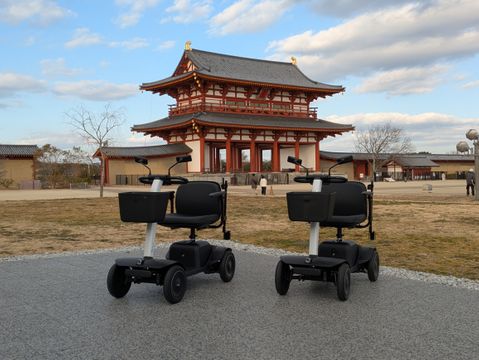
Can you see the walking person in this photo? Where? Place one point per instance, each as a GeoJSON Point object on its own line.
{"type": "Point", "coordinates": [470, 181]}
{"type": "Point", "coordinates": [254, 183]}
{"type": "Point", "coordinates": [263, 183]}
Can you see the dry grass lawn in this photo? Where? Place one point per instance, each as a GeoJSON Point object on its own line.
{"type": "Point", "coordinates": [439, 234]}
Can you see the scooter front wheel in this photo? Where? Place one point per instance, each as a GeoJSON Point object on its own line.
{"type": "Point", "coordinates": [282, 278]}
{"type": "Point", "coordinates": [174, 285]}
{"type": "Point", "coordinates": [117, 282]}
{"type": "Point", "coordinates": [373, 267]}
{"type": "Point", "coordinates": [343, 282]}
{"type": "Point", "coordinates": [227, 266]}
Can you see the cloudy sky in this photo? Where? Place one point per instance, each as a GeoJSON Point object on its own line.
{"type": "Point", "coordinates": [414, 64]}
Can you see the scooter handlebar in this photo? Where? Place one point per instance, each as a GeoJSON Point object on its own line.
{"type": "Point", "coordinates": [325, 178]}
{"type": "Point", "coordinates": [167, 180]}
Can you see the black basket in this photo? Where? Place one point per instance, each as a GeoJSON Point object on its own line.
{"type": "Point", "coordinates": [143, 207]}
{"type": "Point", "coordinates": [310, 206]}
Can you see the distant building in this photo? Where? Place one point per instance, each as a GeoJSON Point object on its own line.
{"type": "Point", "coordinates": [229, 109]}
{"type": "Point", "coordinates": [17, 162]}
{"type": "Point", "coordinates": [121, 168]}
{"type": "Point", "coordinates": [401, 167]}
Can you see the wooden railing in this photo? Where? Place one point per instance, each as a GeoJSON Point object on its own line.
{"type": "Point", "coordinates": [245, 109]}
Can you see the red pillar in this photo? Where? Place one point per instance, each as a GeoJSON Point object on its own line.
{"type": "Point", "coordinates": [296, 150]}
{"type": "Point", "coordinates": [317, 166]}
{"type": "Point", "coordinates": [202, 153]}
{"type": "Point", "coordinates": [252, 155]}
{"type": "Point", "coordinates": [275, 155]}
{"type": "Point", "coordinates": [228, 153]}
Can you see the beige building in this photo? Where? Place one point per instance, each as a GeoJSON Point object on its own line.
{"type": "Point", "coordinates": [399, 167]}
{"type": "Point", "coordinates": [17, 163]}
{"type": "Point", "coordinates": [121, 168]}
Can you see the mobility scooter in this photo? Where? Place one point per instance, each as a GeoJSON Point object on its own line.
{"type": "Point", "coordinates": [333, 202]}
{"type": "Point", "coordinates": [199, 205]}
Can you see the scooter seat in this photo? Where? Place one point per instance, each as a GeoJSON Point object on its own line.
{"type": "Point", "coordinates": [344, 220]}
{"type": "Point", "coordinates": [188, 221]}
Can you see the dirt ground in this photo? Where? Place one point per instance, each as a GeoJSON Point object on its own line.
{"type": "Point", "coordinates": [415, 229]}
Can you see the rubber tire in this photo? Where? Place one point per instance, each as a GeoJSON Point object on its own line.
{"type": "Point", "coordinates": [282, 278]}
{"type": "Point", "coordinates": [343, 282]}
{"type": "Point", "coordinates": [118, 284]}
{"type": "Point", "coordinates": [373, 267]}
{"type": "Point", "coordinates": [227, 266]}
{"type": "Point", "coordinates": [174, 284]}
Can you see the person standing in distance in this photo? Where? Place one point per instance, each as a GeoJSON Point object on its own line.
{"type": "Point", "coordinates": [470, 181]}
{"type": "Point", "coordinates": [263, 183]}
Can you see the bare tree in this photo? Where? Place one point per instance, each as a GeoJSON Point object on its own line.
{"type": "Point", "coordinates": [97, 129]}
{"type": "Point", "coordinates": [382, 142]}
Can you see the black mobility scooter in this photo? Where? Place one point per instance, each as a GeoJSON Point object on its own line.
{"type": "Point", "coordinates": [199, 205]}
{"type": "Point", "coordinates": [333, 202]}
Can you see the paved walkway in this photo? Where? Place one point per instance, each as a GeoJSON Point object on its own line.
{"type": "Point", "coordinates": [59, 308]}
{"type": "Point", "coordinates": [449, 187]}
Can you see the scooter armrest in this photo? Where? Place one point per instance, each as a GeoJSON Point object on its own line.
{"type": "Point", "coordinates": [217, 194]}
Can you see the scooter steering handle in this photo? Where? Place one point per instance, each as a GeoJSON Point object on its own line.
{"type": "Point", "coordinates": [325, 178]}
{"type": "Point", "coordinates": [167, 180]}
{"type": "Point", "coordinates": [175, 180]}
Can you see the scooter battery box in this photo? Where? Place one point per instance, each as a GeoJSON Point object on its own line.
{"type": "Point", "coordinates": [190, 254]}
{"type": "Point", "coordinates": [339, 249]}
{"type": "Point", "coordinates": [310, 206]}
{"type": "Point", "coordinates": [143, 207]}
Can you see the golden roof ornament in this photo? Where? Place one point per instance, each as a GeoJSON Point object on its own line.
{"type": "Point", "coordinates": [188, 45]}
{"type": "Point", "coordinates": [293, 60]}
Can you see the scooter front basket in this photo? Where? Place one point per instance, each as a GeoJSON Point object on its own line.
{"type": "Point", "coordinates": [310, 206]}
{"type": "Point", "coordinates": [142, 206]}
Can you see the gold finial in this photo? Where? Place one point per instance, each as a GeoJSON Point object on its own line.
{"type": "Point", "coordinates": [293, 60]}
{"type": "Point", "coordinates": [188, 45]}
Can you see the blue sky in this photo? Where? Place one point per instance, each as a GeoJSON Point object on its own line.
{"type": "Point", "coordinates": [412, 63]}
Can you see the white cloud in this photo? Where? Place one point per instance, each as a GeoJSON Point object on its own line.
{"type": "Point", "coordinates": [434, 132]}
{"type": "Point", "coordinates": [345, 8]}
{"type": "Point", "coordinates": [168, 44]}
{"type": "Point", "coordinates": [142, 140]}
{"type": "Point", "coordinates": [12, 83]}
{"type": "Point", "coordinates": [95, 90]}
{"type": "Point", "coordinates": [248, 16]}
{"type": "Point", "coordinates": [57, 67]}
{"type": "Point", "coordinates": [408, 36]}
{"type": "Point", "coordinates": [84, 37]}
{"type": "Point", "coordinates": [188, 11]}
{"type": "Point", "coordinates": [404, 81]}
{"type": "Point", "coordinates": [471, 84]}
{"type": "Point", "coordinates": [135, 11]}
{"type": "Point", "coordinates": [39, 12]}
{"type": "Point", "coordinates": [135, 43]}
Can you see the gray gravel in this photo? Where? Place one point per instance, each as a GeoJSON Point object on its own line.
{"type": "Point", "coordinates": [385, 270]}
{"type": "Point", "coordinates": [57, 307]}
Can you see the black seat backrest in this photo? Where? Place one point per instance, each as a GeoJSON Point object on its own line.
{"type": "Point", "coordinates": [350, 199]}
{"type": "Point", "coordinates": [193, 198]}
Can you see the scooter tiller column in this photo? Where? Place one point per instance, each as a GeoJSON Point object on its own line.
{"type": "Point", "coordinates": [151, 227]}
{"type": "Point", "coordinates": [314, 227]}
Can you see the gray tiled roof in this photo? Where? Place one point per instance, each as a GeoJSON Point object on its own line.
{"type": "Point", "coordinates": [415, 161]}
{"type": "Point", "coordinates": [248, 69]}
{"type": "Point", "coordinates": [147, 151]}
{"type": "Point", "coordinates": [18, 150]}
{"type": "Point", "coordinates": [245, 120]}
{"type": "Point", "coordinates": [405, 160]}
{"type": "Point", "coordinates": [451, 157]}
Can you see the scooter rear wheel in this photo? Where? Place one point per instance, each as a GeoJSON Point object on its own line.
{"type": "Point", "coordinates": [373, 267]}
{"type": "Point", "coordinates": [343, 282]}
{"type": "Point", "coordinates": [117, 282]}
{"type": "Point", "coordinates": [227, 266]}
{"type": "Point", "coordinates": [174, 285]}
{"type": "Point", "coordinates": [282, 278]}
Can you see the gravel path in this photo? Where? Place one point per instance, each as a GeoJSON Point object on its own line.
{"type": "Point", "coordinates": [57, 307]}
